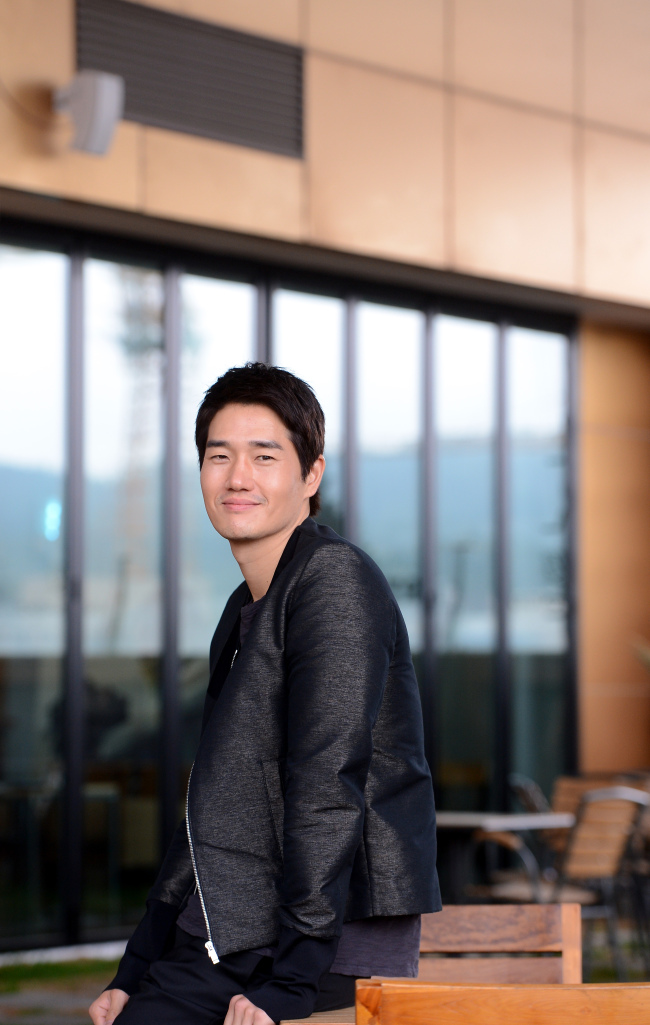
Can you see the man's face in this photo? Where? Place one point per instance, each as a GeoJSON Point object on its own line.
{"type": "Point", "coordinates": [250, 478]}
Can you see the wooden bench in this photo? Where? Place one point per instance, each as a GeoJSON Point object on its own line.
{"type": "Point", "coordinates": [411, 1002]}
{"type": "Point", "coordinates": [484, 931]}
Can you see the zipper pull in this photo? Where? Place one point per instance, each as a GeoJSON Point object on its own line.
{"type": "Point", "coordinates": [212, 952]}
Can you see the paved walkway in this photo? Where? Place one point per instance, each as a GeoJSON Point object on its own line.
{"type": "Point", "coordinates": [48, 1005]}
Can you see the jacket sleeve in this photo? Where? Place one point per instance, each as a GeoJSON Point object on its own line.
{"type": "Point", "coordinates": [154, 934]}
{"type": "Point", "coordinates": [151, 939]}
{"type": "Point", "coordinates": [176, 876]}
{"type": "Point", "coordinates": [341, 627]}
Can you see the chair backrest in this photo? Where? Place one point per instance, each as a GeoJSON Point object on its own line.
{"type": "Point", "coordinates": [410, 1002]}
{"type": "Point", "coordinates": [501, 929]}
{"type": "Point", "coordinates": [605, 821]}
{"type": "Point", "coordinates": [529, 793]}
{"type": "Point", "coordinates": [569, 790]}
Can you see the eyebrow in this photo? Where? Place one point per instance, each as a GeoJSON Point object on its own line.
{"type": "Point", "coordinates": [217, 443]}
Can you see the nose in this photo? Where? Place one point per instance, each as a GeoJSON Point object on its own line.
{"type": "Point", "coordinates": [240, 477]}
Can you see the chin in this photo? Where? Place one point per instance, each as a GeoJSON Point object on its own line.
{"type": "Point", "coordinates": [239, 531]}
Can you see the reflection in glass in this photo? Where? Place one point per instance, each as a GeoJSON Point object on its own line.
{"type": "Point", "coordinates": [390, 421]}
{"type": "Point", "coordinates": [122, 588]}
{"type": "Point", "coordinates": [465, 409]}
{"type": "Point", "coordinates": [218, 333]}
{"type": "Point", "coordinates": [537, 638]}
{"type": "Point", "coordinates": [32, 319]}
{"type": "Point", "coordinates": [308, 341]}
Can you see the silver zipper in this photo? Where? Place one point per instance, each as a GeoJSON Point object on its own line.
{"type": "Point", "coordinates": [210, 947]}
{"type": "Point", "coordinates": [234, 657]}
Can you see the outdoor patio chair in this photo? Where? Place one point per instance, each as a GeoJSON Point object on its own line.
{"type": "Point", "coordinates": [591, 864]}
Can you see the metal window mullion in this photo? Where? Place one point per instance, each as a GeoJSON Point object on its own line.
{"type": "Point", "coordinates": [351, 466]}
{"type": "Point", "coordinates": [264, 322]}
{"type": "Point", "coordinates": [572, 754]}
{"type": "Point", "coordinates": [503, 697]}
{"type": "Point", "coordinates": [74, 719]}
{"type": "Point", "coordinates": [429, 539]}
{"type": "Point", "coordinates": [170, 711]}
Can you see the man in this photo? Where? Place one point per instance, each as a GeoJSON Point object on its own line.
{"type": "Point", "coordinates": [308, 850]}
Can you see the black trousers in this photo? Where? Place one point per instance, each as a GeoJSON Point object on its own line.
{"type": "Point", "coordinates": [185, 988]}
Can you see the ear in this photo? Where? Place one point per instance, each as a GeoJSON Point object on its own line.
{"type": "Point", "coordinates": [315, 476]}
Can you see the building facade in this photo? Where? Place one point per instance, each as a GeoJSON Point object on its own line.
{"type": "Point", "coordinates": [440, 220]}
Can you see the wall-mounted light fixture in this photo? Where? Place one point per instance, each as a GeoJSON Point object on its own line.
{"type": "Point", "coordinates": [95, 102]}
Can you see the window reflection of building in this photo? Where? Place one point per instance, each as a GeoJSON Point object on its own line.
{"type": "Point", "coordinates": [402, 404]}
{"type": "Point", "coordinates": [122, 585]}
{"type": "Point", "coordinates": [32, 521]}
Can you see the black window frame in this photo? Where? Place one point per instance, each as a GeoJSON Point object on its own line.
{"type": "Point", "coordinates": [172, 261]}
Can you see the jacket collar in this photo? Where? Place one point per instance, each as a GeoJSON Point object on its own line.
{"type": "Point", "coordinates": [226, 638]}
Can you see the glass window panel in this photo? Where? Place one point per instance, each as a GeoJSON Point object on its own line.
{"type": "Point", "coordinates": [218, 333]}
{"type": "Point", "coordinates": [308, 341]}
{"type": "Point", "coordinates": [32, 339]}
{"type": "Point", "coordinates": [537, 616]}
{"type": "Point", "coordinates": [465, 409]}
{"type": "Point", "coordinates": [390, 420]}
{"type": "Point", "coordinates": [122, 588]}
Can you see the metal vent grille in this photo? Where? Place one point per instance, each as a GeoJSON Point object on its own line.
{"type": "Point", "coordinates": [191, 76]}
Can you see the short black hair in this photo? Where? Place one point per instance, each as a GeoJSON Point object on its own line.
{"type": "Point", "coordinates": [290, 398]}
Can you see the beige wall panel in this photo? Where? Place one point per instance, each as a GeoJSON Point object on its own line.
{"type": "Point", "coordinates": [520, 49]}
{"type": "Point", "coordinates": [36, 45]}
{"type": "Point", "coordinates": [36, 55]}
{"type": "Point", "coordinates": [513, 194]}
{"type": "Point", "coordinates": [406, 36]}
{"type": "Point", "coordinates": [614, 555]}
{"type": "Point", "coordinates": [615, 729]}
{"type": "Point", "coordinates": [616, 62]}
{"type": "Point", "coordinates": [26, 162]}
{"type": "Point", "coordinates": [277, 18]}
{"type": "Point", "coordinates": [617, 216]}
{"type": "Point", "coordinates": [615, 379]}
{"type": "Point", "coordinates": [214, 183]}
{"type": "Point", "coordinates": [374, 163]}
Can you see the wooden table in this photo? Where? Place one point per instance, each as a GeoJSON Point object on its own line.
{"type": "Point", "coordinates": [461, 824]}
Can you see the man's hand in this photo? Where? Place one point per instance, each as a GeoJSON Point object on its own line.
{"type": "Point", "coordinates": [242, 1012]}
{"type": "Point", "coordinates": [105, 1009]}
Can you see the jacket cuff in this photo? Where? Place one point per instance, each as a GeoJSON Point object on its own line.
{"type": "Point", "coordinates": [148, 943]}
{"type": "Point", "coordinates": [298, 965]}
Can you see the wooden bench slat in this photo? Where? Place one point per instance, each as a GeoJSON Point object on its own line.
{"type": "Point", "coordinates": [415, 1003]}
{"type": "Point", "coordinates": [342, 1017]}
{"type": "Point", "coordinates": [491, 969]}
{"type": "Point", "coordinates": [485, 928]}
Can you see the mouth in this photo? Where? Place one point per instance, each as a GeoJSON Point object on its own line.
{"type": "Point", "coordinates": [239, 505]}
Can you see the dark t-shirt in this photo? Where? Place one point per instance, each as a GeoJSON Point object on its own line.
{"type": "Point", "coordinates": [370, 946]}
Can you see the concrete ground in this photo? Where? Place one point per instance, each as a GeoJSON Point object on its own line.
{"type": "Point", "coordinates": [50, 1003]}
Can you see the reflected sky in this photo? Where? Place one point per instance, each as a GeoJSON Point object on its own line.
{"type": "Point", "coordinates": [465, 418]}
{"type": "Point", "coordinates": [218, 325]}
{"type": "Point", "coordinates": [123, 449]}
{"type": "Point", "coordinates": [390, 428]}
{"type": "Point", "coordinates": [308, 341]}
{"type": "Point", "coordinates": [464, 378]}
{"type": "Point", "coordinates": [218, 333]}
{"type": "Point", "coordinates": [537, 400]}
{"type": "Point", "coordinates": [32, 342]}
{"type": "Point", "coordinates": [308, 333]}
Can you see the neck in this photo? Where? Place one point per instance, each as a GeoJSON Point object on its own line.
{"type": "Point", "coordinates": [258, 557]}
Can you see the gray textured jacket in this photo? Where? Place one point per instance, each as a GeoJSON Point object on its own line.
{"type": "Point", "coordinates": [310, 799]}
